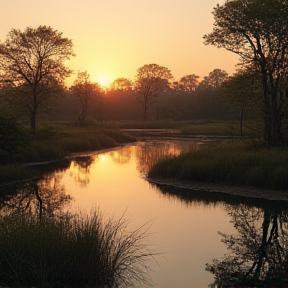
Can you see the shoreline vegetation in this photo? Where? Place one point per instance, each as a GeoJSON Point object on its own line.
{"type": "Point", "coordinates": [242, 168]}
{"type": "Point", "coordinates": [55, 142]}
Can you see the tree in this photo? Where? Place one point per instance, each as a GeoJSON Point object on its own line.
{"type": "Point", "coordinates": [241, 87]}
{"type": "Point", "coordinates": [122, 84]}
{"type": "Point", "coordinates": [33, 61]}
{"type": "Point", "coordinates": [187, 84]}
{"type": "Point", "coordinates": [214, 80]}
{"type": "Point", "coordinates": [85, 90]}
{"type": "Point", "coordinates": [151, 81]}
{"type": "Point", "coordinates": [257, 30]}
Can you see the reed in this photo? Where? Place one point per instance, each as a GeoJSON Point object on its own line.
{"type": "Point", "coordinates": [72, 250]}
{"type": "Point", "coordinates": [236, 164]}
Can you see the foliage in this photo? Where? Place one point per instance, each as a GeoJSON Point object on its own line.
{"type": "Point", "coordinates": [214, 80]}
{"type": "Point", "coordinates": [85, 91]}
{"type": "Point", "coordinates": [257, 30]}
{"type": "Point", "coordinates": [68, 250]}
{"type": "Point", "coordinates": [12, 138]}
{"type": "Point", "coordinates": [243, 92]}
{"type": "Point", "coordinates": [32, 62]}
{"type": "Point", "coordinates": [151, 81]}
{"type": "Point", "coordinates": [121, 84]}
{"type": "Point", "coordinates": [187, 83]}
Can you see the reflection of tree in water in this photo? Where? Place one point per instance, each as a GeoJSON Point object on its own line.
{"type": "Point", "coordinates": [45, 196]}
{"type": "Point", "coordinates": [148, 153]}
{"type": "Point", "coordinates": [258, 253]}
{"type": "Point", "coordinates": [121, 156]}
{"type": "Point", "coordinates": [80, 169]}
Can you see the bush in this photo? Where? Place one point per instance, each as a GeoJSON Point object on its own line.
{"type": "Point", "coordinates": [12, 137]}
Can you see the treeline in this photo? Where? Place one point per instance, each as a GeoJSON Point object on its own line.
{"type": "Point", "coordinates": [206, 101]}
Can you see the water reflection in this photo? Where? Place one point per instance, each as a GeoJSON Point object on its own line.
{"type": "Point", "coordinates": [80, 169]}
{"type": "Point", "coordinates": [46, 196]}
{"type": "Point", "coordinates": [122, 156]}
{"type": "Point", "coordinates": [257, 253]}
{"type": "Point", "coordinates": [207, 198]}
{"type": "Point", "coordinates": [148, 153]}
{"type": "Point", "coordinates": [186, 222]}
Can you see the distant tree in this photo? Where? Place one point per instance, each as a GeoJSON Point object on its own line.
{"type": "Point", "coordinates": [241, 87]}
{"type": "Point", "coordinates": [85, 91]}
{"type": "Point", "coordinates": [188, 83]}
{"type": "Point", "coordinates": [214, 80]}
{"type": "Point", "coordinates": [33, 62]}
{"type": "Point", "coordinates": [257, 31]}
{"type": "Point", "coordinates": [151, 81]}
{"type": "Point", "coordinates": [122, 84]}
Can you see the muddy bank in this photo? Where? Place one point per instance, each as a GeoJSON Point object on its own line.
{"type": "Point", "coordinates": [243, 191]}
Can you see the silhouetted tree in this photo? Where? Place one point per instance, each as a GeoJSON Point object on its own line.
{"type": "Point", "coordinates": [33, 61]}
{"type": "Point", "coordinates": [257, 30]}
{"type": "Point", "coordinates": [242, 92]}
{"type": "Point", "coordinates": [151, 80]}
{"type": "Point", "coordinates": [122, 84]}
{"type": "Point", "coordinates": [85, 90]}
{"type": "Point", "coordinates": [188, 83]}
{"type": "Point", "coordinates": [214, 80]}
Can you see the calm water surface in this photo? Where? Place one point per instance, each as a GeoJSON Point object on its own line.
{"type": "Point", "coordinates": [185, 228]}
{"type": "Point", "coordinates": [114, 182]}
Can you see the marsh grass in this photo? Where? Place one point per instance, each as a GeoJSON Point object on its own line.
{"type": "Point", "coordinates": [235, 163]}
{"type": "Point", "coordinates": [72, 250]}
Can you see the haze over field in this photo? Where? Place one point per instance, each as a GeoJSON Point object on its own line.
{"type": "Point", "coordinates": [113, 38]}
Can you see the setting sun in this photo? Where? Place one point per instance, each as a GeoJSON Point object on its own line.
{"type": "Point", "coordinates": [104, 82]}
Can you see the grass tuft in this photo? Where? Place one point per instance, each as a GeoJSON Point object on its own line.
{"type": "Point", "coordinates": [71, 250]}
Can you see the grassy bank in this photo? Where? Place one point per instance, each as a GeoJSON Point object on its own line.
{"type": "Point", "coordinates": [56, 141]}
{"type": "Point", "coordinates": [196, 127]}
{"type": "Point", "coordinates": [234, 164]}
{"type": "Point", "coordinates": [71, 251]}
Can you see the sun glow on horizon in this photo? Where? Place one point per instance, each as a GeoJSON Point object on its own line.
{"type": "Point", "coordinates": [104, 82]}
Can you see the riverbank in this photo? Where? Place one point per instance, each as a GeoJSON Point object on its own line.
{"type": "Point", "coordinates": [56, 142]}
{"type": "Point", "coordinates": [222, 188]}
{"type": "Point", "coordinates": [236, 164]}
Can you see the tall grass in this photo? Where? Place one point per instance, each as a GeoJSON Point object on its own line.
{"type": "Point", "coordinates": [236, 164]}
{"type": "Point", "coordinates": [72, 251]}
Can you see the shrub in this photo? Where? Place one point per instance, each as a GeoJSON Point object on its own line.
{"type": "Point", "coordinates": [12, 137]}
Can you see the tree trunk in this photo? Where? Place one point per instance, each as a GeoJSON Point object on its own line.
{"type": "Point", "coordinates": [33, 121]}
{"type": "Point", "coordinates": [33, 112]}
{"type": "Point", "coordinates": [272, 113]}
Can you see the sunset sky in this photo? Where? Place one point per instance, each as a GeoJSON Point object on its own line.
{"type": "Point", "coordinates": [113, 38]}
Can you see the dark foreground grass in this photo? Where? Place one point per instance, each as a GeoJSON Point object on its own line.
{"type": "Point", "coordinates": [236, 164]}
{"type": "Point", "coordinates": [72, 251]}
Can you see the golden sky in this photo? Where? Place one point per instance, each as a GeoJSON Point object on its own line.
{"type": "Point", "coordinates": [113, 38]}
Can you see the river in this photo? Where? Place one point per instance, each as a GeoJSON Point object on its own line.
{"type": "Point", "coordinates": [184, 225]}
